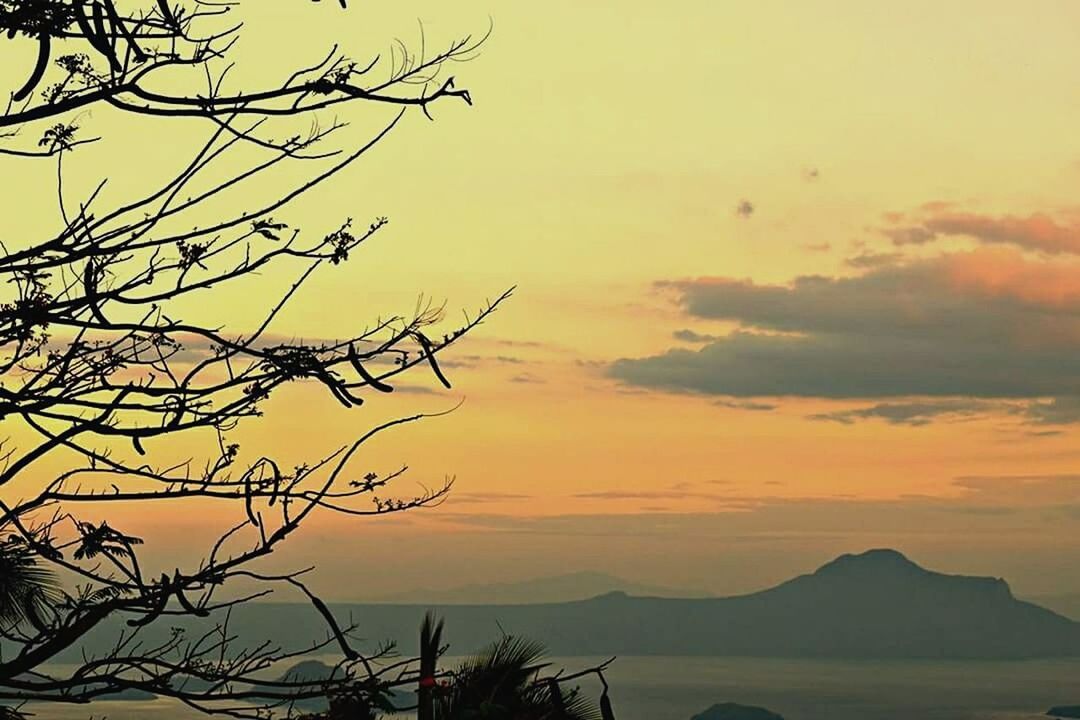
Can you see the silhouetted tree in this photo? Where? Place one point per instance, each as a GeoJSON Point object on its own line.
{"type": "Point", "coordinates": [100, 369]}
{"type": "Point", "coordinates": [505, 682]}
{"type": "Point", "coordinates": [508, 680]}
{"type": "Point", "coordinates": [102, 56]}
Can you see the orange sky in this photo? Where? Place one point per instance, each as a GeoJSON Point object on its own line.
{"type": "Point", "coordinates": [914, 164]}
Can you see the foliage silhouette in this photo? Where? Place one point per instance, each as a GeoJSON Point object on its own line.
{"type": "Point", "coordinates": [503, 683]}
{"type": "Point", "coordinates": [101, 372]}
{"type": "Point", "coordinates": [508, 680]}
{"type": "Point", "coordinates": [116, 58]}
{"type": "Point", "coordinates": [27, 588]}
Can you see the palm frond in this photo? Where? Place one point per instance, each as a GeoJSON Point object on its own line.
{"type": "Point", "coordinates": [431, 637]}
{"type": "Point", "coordinates": [563, 703]}
{"type": "Point", "coordinates": [27, 589]}
{"type": "Point", "coordinates": [502, 683]}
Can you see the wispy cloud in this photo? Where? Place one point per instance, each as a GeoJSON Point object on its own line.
{"type": "Point", "coordinates": [528, 379]}
{"type": "Point", "coordinates": [472, 498]}
{"type": "Point", "coordinates": [1037, 231]}
{"type": "Point", "coordinates": [691, 336]}
{"type": "Point", "coordinates": [871, 260]}
{"type": "Point", "coordinates": [746, 405]}
{"type": "Point", "coordinates": [915, 413]}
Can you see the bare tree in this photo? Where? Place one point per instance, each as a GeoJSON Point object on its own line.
{"type": "Point", "coordinates": [100, 368]}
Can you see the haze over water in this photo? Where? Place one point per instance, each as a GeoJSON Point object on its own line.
{"type": "Point", "coordinates": [676, 688]}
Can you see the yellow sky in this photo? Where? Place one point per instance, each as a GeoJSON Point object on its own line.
{"type": "Point", "coordinates": [608, 149]}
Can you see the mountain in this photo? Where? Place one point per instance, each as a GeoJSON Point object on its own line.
{"type": "Point", "coordinates": [307, 671]}
{"type": "Point", "coordinates": [1065, 711]}
{"type": "Point", "coordinates": [732, 711]}
{"type": "Point", "coordinates": [555, 588]}
{"type": "Point", "coordinates": [1067, 605]}
{"type": "Point", "coordinates": [878, 604]}
{"type": "Point", "coordinates": [312, 670]}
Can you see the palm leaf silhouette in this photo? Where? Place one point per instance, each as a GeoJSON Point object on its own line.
{"type": "Point", "coordinates": [27, 590]}
{"type": "Point", "coordinates": [501, 683]}
{"type": "Point", "coordinates": [430, 644]}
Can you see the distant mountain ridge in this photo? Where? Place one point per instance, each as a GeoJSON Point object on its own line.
{"type": "Point", "coordinates": [554, 588]}
{"type": "Point", "coordinates": [877, 604]}
{"type": "Point", "coordinates": [874, 604]}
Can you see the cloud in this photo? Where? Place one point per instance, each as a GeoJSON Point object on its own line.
{"type": "Point", "coordinates": [755, 365]}
{"type": "Point", "coordinates": [1034, 232]}
{"type": "Point", "coordinates": [691, 336]}
{"type": "Point", "coordinates": [988, 324]}
{"type": "Point", "coordinates": [746, 405]}
{"type": "Point", "coordinates": [520, 343]}
{"type": "Point", "coordinates": [528, 379]}
{"type": "Point", "coordinates": [909, 235]}
{"type": "Point", "coordinates": [1056, 411]}
{"type": "Point", "coordinates": [913, 413]}
{"type": "Point", "coordinates": [485, 497]}
{"type": "Point", "coordinates": [1045, 433]}
{"type": "Point", "coordinates": [416, 389]}
{"type": "Point", "coordinates": [640, 495]}
{"type": "Point", "coordinates": [1038, 231]}
{"type": "Point", "coordinates": [474, 361]}
{"type": "Point", "coordinates": [868, 260]}
{"type": "Point", "coordinates": [991, 505]}
{"type": "Point", "coordinates": [682, 490]}
{"type": "Point", "coordinates": [1022, 490]}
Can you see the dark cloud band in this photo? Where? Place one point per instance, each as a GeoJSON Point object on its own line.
{"type": "Point", "coordinates": [940, 328]}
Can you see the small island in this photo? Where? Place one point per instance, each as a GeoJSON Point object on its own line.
{"type": "Point", "coordinates": [734, 711]}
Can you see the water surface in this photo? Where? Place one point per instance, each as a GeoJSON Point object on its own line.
{"type": "Point", "coordinates": [675, 688]}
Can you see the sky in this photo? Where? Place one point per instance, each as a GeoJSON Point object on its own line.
{"type": "Point", "coordinates": [792, 280]}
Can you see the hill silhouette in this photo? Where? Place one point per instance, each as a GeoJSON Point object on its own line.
{"type": "Point", "coordinates": [733, 711]}
{"type": "Point", "coordinates": [877, 604]}
{"type": "Point", "coordinates": [1066, 604]}
{"type": "Point", "coordinates": [308, 671]}
{"type": "Point", "coordinates": [1064, 711]}
{"type": "Point", "coordinates": [554, 588]}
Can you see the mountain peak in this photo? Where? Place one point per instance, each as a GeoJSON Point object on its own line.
{"type": "Point", "coordinates": [876, 561]}
{"type": "Point", "coordinates": [884, 570]}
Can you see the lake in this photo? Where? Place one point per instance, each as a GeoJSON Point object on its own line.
{"type": "Point", "coordinates": [675, 688]}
